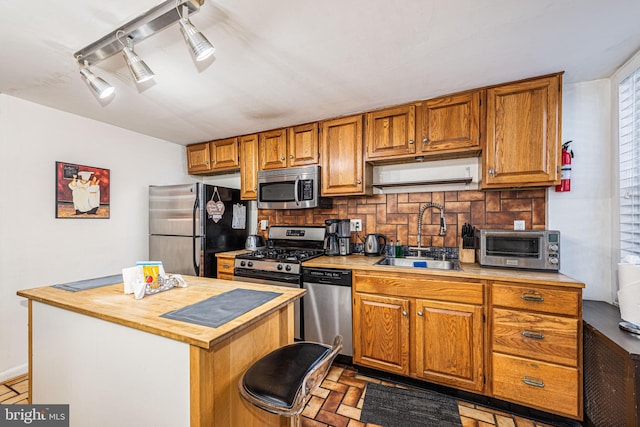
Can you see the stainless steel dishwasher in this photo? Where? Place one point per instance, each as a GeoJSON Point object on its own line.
{"type": "Point", "coordinates": [327, 306]}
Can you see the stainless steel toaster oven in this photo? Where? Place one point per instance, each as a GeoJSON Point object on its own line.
{"type": "Point", "coordinates": [534, 249]}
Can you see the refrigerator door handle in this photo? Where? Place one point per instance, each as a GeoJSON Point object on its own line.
{"type": "Point", "coordinates": [196, 267]}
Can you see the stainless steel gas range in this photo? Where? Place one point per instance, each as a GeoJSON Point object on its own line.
{"type": "Point", "coordinates": [280, 263]}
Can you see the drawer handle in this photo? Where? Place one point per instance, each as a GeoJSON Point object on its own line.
{"type": "Point", "coordinates": [226, 266]}
{"type": "Point", "coordinates": [536, 382]}
{"type": "Point", "coordinates": [535, 335]}
{"type": "Point", "coordinates": [532, 296]}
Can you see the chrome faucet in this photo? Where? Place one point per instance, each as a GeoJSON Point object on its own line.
{"type": "Point", "coordinates": [443, 225]}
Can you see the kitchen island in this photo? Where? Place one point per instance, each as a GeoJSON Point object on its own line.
{"type": "Point", "coordinates": [115, 361]}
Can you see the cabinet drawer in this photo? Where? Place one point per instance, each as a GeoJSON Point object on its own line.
{"type": "Point", "coordinates": [225, 266]}
{"type": "Point", "coordinates": [418, 286]}
{"type": "Point", "coordinates": [549, 338]}
{"type": "Point", "coordinates": [535, 298]}
{"type": "Point", "coordinates": [549, 387]}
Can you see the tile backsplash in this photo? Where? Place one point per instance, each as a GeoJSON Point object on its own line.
{"type": "Point", "coordinates": [396, 215]}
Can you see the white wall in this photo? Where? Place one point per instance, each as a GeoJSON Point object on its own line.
{"type": "Point", "coordinates": [36, 249]}
{"type": "Point", "coordinates": [583, 215]}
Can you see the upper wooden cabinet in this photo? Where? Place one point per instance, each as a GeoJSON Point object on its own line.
{"type": "Point", "coordinates": [451, 124]}
{"type": "Point", "coordinates": [211, 157]}
{"type": "Point", "coordinates": [523, 134]}
{"type": "Point", "coordinates": [248, 167]}
{"type": "Point", "coordinates": [273, 149]}
{"type": "Point", "coordinates": [291, 147]}
{"type": "Point", "coordinates": [224, 154]}
{"type": "Point", "coordinates": [445, 127]}
{"type": "Point", "coordinates": [198, 158]}
{"type": "Point", "coordinates": [343, 167]}
{"type": "Point", "coordinates": [391, 132]}
{"type": "Point", "coordinates": [303, 145]}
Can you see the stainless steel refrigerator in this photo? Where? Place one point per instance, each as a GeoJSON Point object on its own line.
{"type": "Point", "coordinates": [190, 223]}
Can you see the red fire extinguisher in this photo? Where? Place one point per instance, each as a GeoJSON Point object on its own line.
{"type": "Point", "coordinates": [567, 155]}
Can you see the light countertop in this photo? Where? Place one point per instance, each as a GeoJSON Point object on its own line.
{"type": "Point", "coordinates": [469, 271]}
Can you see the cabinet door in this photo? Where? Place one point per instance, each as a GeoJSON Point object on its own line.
{"type": "Point", "coordinates": [342, 160]}
{"type": "Point", "coordinates": [523, 134]}
{"type": "Point", "coordinates": [449, 344]}
{"type": "Point", "coordinates": [381, 332]}
{"type": "Point", "coordinates": [273, 149]}
{"type": "Point", "coordinates": [451, 124]}
{"type": "Point", "coordinates": [391, 132]}
{"type": "Point", "coordinates": [224, 154]}
{"type": "Point", "coordinates": [303, 145]}
{"type": "Point", "coordinates": [198, 158]}
{"type": "Point", "coordinates": [249, 167]}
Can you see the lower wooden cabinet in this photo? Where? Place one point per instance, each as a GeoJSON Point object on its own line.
{"type": "Point", "coordinates": [514, 341]}
{"type": "Point", "coordinates": [381, 332]}
{"type": "Point", "coordinates": [425, 328]}
{"type": "Point", "coordinates": [225, 266]}
{"type": "Point", "coordinates": [536, 346]}
{"type": "Point", "coordinates": [449, 344]}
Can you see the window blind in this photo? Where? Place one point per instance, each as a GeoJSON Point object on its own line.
{"type": "Point", "coordinates": [629, 140]}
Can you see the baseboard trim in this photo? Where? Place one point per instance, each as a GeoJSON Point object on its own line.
{"type": "Point", "coordinates": [13, 372]}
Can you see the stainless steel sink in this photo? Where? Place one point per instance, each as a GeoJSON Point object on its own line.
{"type": "Point", "coordinates": [419, 262]}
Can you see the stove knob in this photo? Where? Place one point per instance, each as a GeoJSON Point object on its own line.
{"type": "Point", "coordinates": [242, 263]}
{"type": "Point", "coordinates": [250, 264]}
{"type": "Point", "coordinates": [279, 266]}
{"type": "Point", "coordinates": [553, 247]}
{"type": "Point", "coordinates": [288, 268]}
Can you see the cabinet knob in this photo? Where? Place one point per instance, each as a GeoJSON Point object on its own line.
{"type": "Point", "coordinates": [404, 313]}
{"type": "Point", "coordinates": [206, 163]}
{"type": "Point", "coordinates": [425, 140]}
{"type": "Point", "coordinates": [492, 172]}
{"type": "Point", "coordinates": [282, 158]}
{"type": "Point", "coordinates": [411, 142]}
{"type": "Point", "coordinates": [358, 181]}
{"type": "Point", "coordinates": [420, 313]}
{"type": "Point", "coordinates": [255, 188]}
{"type": "Point", "coordinates": [291, 156]}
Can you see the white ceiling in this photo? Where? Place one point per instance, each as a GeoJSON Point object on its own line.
{"type": "Point", "coordinates": [284, 62]}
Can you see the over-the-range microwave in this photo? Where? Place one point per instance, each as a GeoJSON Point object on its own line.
{"type": "Point", "coordinates": [534, 250]}
{"type": "Point", "coordinates": [290, 188]}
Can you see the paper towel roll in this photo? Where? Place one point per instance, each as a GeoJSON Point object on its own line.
{"type": "Point", "coordinates": [628, 274]}
{"type": "Point", "coordinates": [629, 299]}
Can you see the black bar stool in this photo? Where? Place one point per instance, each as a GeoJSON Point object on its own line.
{"type": "Point", "coordinates": [282, 381]}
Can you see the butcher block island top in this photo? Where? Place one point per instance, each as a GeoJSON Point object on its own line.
{"type": "Point", "coordinates": [111, 304]}
{"type": "Point", "coordinates": [176, 373]}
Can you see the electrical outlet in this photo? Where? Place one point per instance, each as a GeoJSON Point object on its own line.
{"type": "Point", "coordinates": [264, 223]}
{"type": "Point", "coordinates": [356, 225]}
{"type": "Point", "coordinates": [518, 225]}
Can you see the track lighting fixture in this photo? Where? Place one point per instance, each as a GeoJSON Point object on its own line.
{"type": "Point", "coordinates": [101, 88]}
{"type": "Point", "coordinates": [138, 68]}
{"type": "Point", "coordinates": [123, 39]}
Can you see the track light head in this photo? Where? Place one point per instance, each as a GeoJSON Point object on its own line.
{"type": "Point", "coordinates": [101, 88]}
{"type": "Point", "coordinates": [200, 46]}
{"type": "Point", "coordinates": [138, 68]}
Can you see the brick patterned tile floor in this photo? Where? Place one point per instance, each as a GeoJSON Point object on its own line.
{"type": "Point", "coordinates": [336, 403]}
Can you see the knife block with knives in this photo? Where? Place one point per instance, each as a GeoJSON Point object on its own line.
{"type": "Point", "coordinates": [467, 244]}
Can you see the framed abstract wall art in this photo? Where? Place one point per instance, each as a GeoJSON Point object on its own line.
{"type": "Point", "coordinates": [82, 191]}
